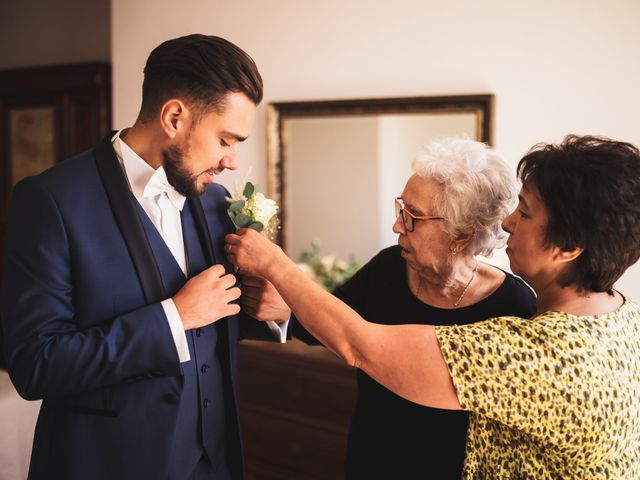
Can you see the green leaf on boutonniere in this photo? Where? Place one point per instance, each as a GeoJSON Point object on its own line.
{"type": "Point", "coordinates": [237, 205]}
{"type": "Point", "coordinates": [257, 226]}
{"type": "Point", "coordinates": [242, 220]}
{"type": "Point", "coordinates": [248, 189]}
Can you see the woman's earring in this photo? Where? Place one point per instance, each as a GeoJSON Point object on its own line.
{"type": "Point", "coordinates": [454, 250]}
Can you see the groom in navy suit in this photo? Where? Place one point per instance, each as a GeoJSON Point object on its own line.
{"type": "Point", "coordinates": [117, 302]}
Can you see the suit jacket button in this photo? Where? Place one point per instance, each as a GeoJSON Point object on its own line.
{"type": "Point", "coordinates": [171, 398]}
{"type": "Point", "coordinates": [204, 368]}
{"type": "Point", "coordinates": [205, 403]}
{"type": "Point", "coordinates": [198, 332]}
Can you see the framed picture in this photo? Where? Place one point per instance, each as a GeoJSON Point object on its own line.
{"type": "Point", "coordinates": [48, 114]}
{"type": "Point", "coordinates": [31, 141]}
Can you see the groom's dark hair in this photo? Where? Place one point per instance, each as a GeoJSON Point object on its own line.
{"type": "Point", "coordinates": [200, 70]}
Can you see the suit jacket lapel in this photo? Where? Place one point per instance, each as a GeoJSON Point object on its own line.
{"type": "Point", "coordinates": [203, 230]}
{"type": "Point", "coordinates": [124, 211]}
{"type": "Point", "coordinates": [202, 227]}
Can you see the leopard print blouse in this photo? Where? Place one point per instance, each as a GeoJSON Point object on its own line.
{"type": "Point", "coordinates": [554, 397]}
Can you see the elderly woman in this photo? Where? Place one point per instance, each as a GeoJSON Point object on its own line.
{"type": "Point", "coordinates": [450, 211]}
{"type": "Point", "coordinates": [556, 396]}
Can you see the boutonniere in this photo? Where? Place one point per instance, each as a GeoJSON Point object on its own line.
{"type": "Point", "coordinates": [249, 208]}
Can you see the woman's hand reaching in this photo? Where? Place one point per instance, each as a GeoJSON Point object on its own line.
{"type": "Point", "coordinates": [254, 254]}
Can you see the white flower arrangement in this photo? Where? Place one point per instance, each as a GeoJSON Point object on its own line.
{"type": "Point", "coordinates": [327, 270]}
{"type": "Point", "coordinates": [249, 208]}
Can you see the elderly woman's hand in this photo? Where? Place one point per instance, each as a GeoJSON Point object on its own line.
{"type": "Point", "coordinates": [254, 254]}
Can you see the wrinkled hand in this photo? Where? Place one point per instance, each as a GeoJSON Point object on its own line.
{"type": "Point", "coordinates": [206, 298]}
{"type": "Point", "coordinates": [253, 253]}
{"type": "Point", "coordinates": [261, 300]}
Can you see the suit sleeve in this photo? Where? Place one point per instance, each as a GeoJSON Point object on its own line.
{"type": "Point", "coordinates": [252, 329]}
{"type": "Point", "coordinates": [48, 354]}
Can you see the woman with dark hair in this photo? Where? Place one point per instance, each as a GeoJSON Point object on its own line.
{"type": "Point", "coordinates": [554, 396]}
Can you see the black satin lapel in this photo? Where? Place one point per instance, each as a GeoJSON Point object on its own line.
{"type": "Point", "coordinates": [124, 211]}
{"type": "Point", "coordinates": [207, 245]}
{"type": "Point", "coordinates": [203, 230]}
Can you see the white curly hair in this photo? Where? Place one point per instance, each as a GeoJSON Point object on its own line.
{"type": "Point", "coordinates": [478, 190]}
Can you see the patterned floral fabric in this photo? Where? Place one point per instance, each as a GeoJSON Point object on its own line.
{"type": "Point", "coordinates": [554, 397]}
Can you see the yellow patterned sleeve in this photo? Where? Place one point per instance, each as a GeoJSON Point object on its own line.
{"type": "Point", "coordinates": [523, 373]}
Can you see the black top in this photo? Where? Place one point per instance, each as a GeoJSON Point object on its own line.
{"type": "Point", "coordinates": [391, 437]}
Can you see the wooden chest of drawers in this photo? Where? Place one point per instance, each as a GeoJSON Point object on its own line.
{"type": "Point", "coordinates": [296, 406]}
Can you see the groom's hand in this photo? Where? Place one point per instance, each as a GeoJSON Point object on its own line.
{"type": "Point", "coordinates": [207, 298]}
{"type": "Point", "coordinates": [262, 301]}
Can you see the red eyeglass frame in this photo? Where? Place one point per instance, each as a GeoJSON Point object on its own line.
{"type": "Point", "coordinates": [401, 211]}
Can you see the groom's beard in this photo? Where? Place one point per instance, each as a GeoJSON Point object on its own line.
{"type": "Point", "coordinates": [178, 175]}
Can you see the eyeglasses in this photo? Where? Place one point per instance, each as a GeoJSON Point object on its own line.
{"type": "Point", "coordinates": [408, 218]}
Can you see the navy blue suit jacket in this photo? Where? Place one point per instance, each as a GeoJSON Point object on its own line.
{"type": "Point", "coordinates": [80, 335]}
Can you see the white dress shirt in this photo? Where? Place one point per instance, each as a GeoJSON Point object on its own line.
{"type": "Point", "coordinates": [163, 204]}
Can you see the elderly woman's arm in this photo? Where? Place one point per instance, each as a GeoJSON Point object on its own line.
{"type": "Point", "coordinates": [404, 358]}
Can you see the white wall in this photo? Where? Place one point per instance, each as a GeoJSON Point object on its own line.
{"type": "Point", "coordinates": [555, 67]}
{"type": "Point", "coordinates": [48, 32]}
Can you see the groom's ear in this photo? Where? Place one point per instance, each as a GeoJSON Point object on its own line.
{"type": "Point", "coordinates": [175, 118]}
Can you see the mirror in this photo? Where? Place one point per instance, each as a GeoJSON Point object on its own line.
{"type": "Point", "coordinates": [334, 167]}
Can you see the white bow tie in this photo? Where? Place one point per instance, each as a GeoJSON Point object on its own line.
{"type": "Point", "coordinates": [158, 184]}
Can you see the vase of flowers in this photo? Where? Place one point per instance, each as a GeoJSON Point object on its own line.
{"type": "Point", "coordinates": [328, 271]}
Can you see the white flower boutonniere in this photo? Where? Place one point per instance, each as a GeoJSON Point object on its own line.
{"type": "Point", "coordinates": [249, 208]}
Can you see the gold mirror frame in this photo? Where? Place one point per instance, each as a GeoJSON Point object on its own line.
{"type": "Point", "coordinates": [278, 113]}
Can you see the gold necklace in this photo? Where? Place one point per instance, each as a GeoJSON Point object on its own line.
{"type": "Point", "coordinates": [473, 275]}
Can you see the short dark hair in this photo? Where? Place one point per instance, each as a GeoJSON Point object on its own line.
{"type": "Point", "coordinates": [201, 69]}
{"type": "Point", "coordinates": [590, 187]}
